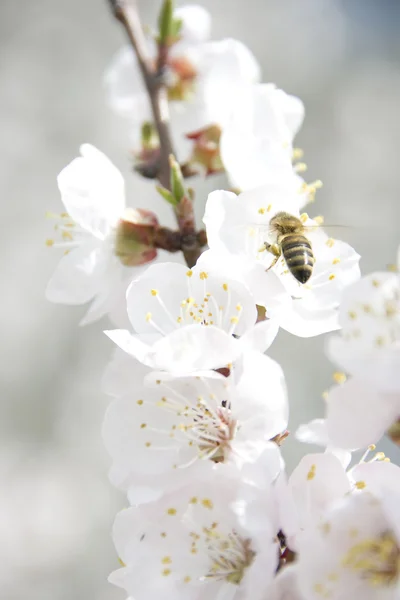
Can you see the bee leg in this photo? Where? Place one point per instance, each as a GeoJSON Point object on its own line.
{"type": "Point", "coordinates": [276, 251]}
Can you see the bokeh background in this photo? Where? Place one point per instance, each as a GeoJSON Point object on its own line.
{"type": "Point", "coordinates": [341, 56]}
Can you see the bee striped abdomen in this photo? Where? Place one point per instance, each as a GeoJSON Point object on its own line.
{"type": "Point", "coordinates": [299, 257]}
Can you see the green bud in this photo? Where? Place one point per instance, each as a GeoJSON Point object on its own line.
{"type": "Point", "coordinates": [177, 187]}
{"type": "Point", "coordinates": [166, 194]}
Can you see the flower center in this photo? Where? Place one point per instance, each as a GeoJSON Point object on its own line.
{"type": "Point", "coordinates": [65, 230]}
{"type": "Point", "coordinates": [229, 553]}
{"type": "Point", "coordinates": [377, 560]}
{"type": "Point", "coordinates": [202, 309]}
{"type": "Point", "coordinates": [210, 428]}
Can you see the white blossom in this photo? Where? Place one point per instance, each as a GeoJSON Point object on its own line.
{"type": "Point", "coordinates": [257, 142]}
{"type": "Point", "coordinates": [185, 320]}
{"type": "Point", "coordinates": [357, 414]}
{"type": "Point", "coordinates": [203, 80]}
{"type": "Point", "coordinates": [368, 346]}
{"type": "Point", "coordinates": [191, 544]}
{"type": "Point", "coordinates": [354, 552]}
{"type": "Point", "coordinates": [159, 434]}
{"type": "Point", "coordinates": [321, 480]}
{"type": "Point", "coordinates": [238, 228]}
{"type": "Point", "coordinates": [93, 193]}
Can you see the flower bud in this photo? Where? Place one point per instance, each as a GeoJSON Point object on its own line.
{"type": "Point", "coordinates": [206, 150]}
{"type": "Point", "coordinates": [134, 237]}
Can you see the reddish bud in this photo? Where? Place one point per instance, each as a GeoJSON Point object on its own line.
{"type": "Point", "coordinates": [206, 151]}
{"type": "Point", "coordinates": [134, 239]}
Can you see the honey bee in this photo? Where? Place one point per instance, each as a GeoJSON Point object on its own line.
{"type": "Point", "coordinates": [292, 243]}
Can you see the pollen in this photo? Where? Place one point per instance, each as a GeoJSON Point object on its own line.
{"type": "Point", "coordinates": [49, 242]}
{"type": "Point", "coordinates": [166, 572]}
{"type": "Point", "coordinates": [269, 207]}
{"type": "Point", "coordinates": [300, 167]}
{"type": "Point", "coordinates": [297, 153]}
{"type": "Point", "coordinates": [339, 377]}
{"type": "Point", "coordinates": [171, 511]}
{"type": "Point", "coordinates": [330, 242]}
{"type": "Point", "coordinates": [331, 277]}
{"type": "Point", "coordinates": [352, 314]}
{"type": "Point", "coordinates": [148, 316]}
{"type": "Point", "coordinates": [311, 472]}
{"type": "Point", "coordinates": [179, 320]}
{"type": "Point", "coordinates": [326, 528]}
{"type": "Point", "coordinates": [262, 211]}
{"type": "Point", "coordinates": [166, 560]}
{"type": "Point", "coordinates": [234, 320]}
{"type": "Point", "coordinates": [225, 287]}
{"type": "Point", "coordinates": [360, 485]}
{"type": "Point", "coordinates": [140, 402]}
{"type": "Point", "coordinates": [319, 221]}
{"type": "Point", "coordinates": [203, 275]}
{"type": "Point", "coordinates": [190, 300]}
{"type": "Point", "coordinates": [207, 503]}
{"type": "Point", "coordinates": [304, 217]}
{"type": "Point", "coordinates": [239, 307]}
{"type": "Point", "coordinates": [336, 261]}
{"type": "Point", "coordinates": [189, 273]}
{"type": "Point", "coordinates": [319, 588]}
{"type": "Point", "coordinates": [154, 292]}
{"type": "Point", "coordinates": [193, 500]}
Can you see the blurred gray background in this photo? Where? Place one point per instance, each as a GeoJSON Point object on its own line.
{"type": "Point", "coordinates": [341, 56]}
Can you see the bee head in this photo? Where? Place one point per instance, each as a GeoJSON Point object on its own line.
{"type": "Point", "coordinates": [283, 223]}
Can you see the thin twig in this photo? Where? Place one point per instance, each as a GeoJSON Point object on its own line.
{"type": "Point", "coordinates": [126, 11]}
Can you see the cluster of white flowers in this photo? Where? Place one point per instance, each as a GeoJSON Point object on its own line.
{"type": "Point", "coordinates": [199, 412]}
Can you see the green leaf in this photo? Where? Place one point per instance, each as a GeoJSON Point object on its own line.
{"type": "Point", "coordinates": [165, 21]}
{"type": "Point", "coordinates": [166, 194]}
{"type": "Point", "coordinates": [176, 27]}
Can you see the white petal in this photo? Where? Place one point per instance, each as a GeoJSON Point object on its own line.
{"type": "Point", "coordinates": [168, 282]}
{"type": "Point", "coordinates": [93, 191]}
{"type": "Point", "coordinates": [196, 23]}
{"type": "Point", "coordinates": [125, 88]}
{"type": "Point", "coordinates": [261, 336]}
{"type": "Point", "coordinates": [358, 415]}
{"type": "Point", "coordinates": [316, 483]}
{"type": "Point", "coordinates": [314, 432]}
{"type": "Point", "coordinates": [122, 374]}
{"type": "Point", "coordinates": [194, 348]}
{"type": "Point", "coordinates": [262, 382]}
{"type": "Point", "coordinates": [285, 585]}
{"type": "Point", "coordinates": [78, 277]}
{"type": "Point", "coordinates": [139, 348]}
{"type": "Point", "coordinates": [380, 478]}
{"type": "Point", "coordinates": [304, 322]}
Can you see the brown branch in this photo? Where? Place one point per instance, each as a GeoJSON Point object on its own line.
{"type": "Point", "coordinates": [126, 11]}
